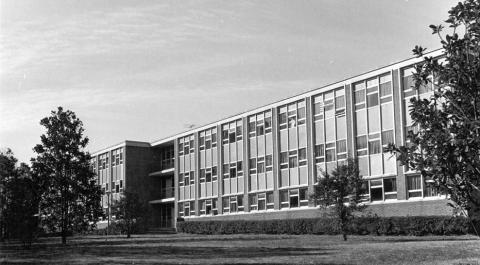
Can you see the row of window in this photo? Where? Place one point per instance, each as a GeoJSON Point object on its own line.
{"type": "Point", "coordinates": [376, 190]}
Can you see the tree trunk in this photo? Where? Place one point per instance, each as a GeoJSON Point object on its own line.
{"type": "Point", "coordinates": [64, 237]}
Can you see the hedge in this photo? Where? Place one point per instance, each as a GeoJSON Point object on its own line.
{"type": "Point", "coordinates": [411, 225]}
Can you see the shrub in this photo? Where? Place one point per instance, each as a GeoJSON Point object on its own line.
{"type": "Point", "coordinates": [410, 225]}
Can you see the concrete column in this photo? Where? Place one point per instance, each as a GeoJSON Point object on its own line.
{"type": "Point", "coordinates": [276, 155]}
{"type": "Point", "coordinates": [176, 188]}
{"type": "Point", "coordinates": [245, 164]}
{"type": "Point", "coordinates": [399, 125]}
{"type": "Point", "coordinates": [349, 103]}
{"type": "Point", "coordinates": [310, 149]}
{"type": "Point", "coordinates": [197, 171]}
{"type": "Point", "coordinates": [219, 169]}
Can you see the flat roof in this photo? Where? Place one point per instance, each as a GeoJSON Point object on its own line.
{"type": "Point", "coordinates": [312, 92]}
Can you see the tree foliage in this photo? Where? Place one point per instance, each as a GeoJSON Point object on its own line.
{"type": "Point", "coordinates": [129, 211]}
{"type": "Point", "coordinates": [71, 198]}
{"type": "Point", "coordinates": [445, 147]}
{"type": "Point", "coordinates": [19, 200]}
{"type": "Point", "coordinates": [341, 193]}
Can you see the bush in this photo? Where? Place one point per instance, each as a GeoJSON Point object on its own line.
{"type": "Point", "coordinates": [410, 225]}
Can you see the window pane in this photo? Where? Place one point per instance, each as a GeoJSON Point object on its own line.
{"type": "Point", "coordinates": [330, 155]}
{"type": "Point", "coordinates": [372, 100]}
{"type": "Point", "coordinates": [361, 142]}
{"type": "Point", "coordinates": [390, 185]}
{"type": "Point", "coordinates": [292, 162]}
{"type": "Point", "coordinates": [342, 146]}
{"type": "Point", "coordinates": [374, 147]}
{"type": "Point", "coordinates": [376, 194]}
{"type": "Point", "coordinates": [302, 154]}
{"type": "Point", "coordinates": [387, 137]}
{"type": "Point", "coordinates": [283, 157]}
{"type": "Point", "coordinates": [319, 150]}
{"type": "Point", "coordinates": [359, 96]}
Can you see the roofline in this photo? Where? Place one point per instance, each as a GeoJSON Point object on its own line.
{"type": "Point", "coordinates": [328, 87]}
{"type": "Point", "coordinates": [121, 144]}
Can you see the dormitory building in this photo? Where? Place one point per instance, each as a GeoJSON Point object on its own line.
{"type": "Point", "coordinates": [263, 163]}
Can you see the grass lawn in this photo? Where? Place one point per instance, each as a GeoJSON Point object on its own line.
{"type": "Point", "coordinates": [247, 249]}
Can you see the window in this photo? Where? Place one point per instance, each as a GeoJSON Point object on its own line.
{"type": "Point", "coordinates": [319, 153]}
{"type": "Point", "coordinates": [292, 161]}
{"type": "Point", "coordinates": [330, 152]}
{"type": "Point", "coordinates": [293, 198]}
{"type": "Point", "coordinates": [414, 184]}
{"type": "Point", "coordinates": [282, 117]}
{"type": "Point", "coordinates": [261, 201]}
{"type": "Point", "coordinates": [260, 165]}
{"type": "Point", "coordinates": [376, 190]}
{"type": "Point", "coordinates": [387, 137]}
{"type": "Point", "coordinates": [302, 156]}
{"type": "Point", "coordinates": [268, 122]}
{"type": "Point", "coordinates": [269, 162]}
{"type": "Point", "coordinates": [283, 160]}
{"type": "Point", "coordinates": [390, 188]}
{"type": "Point", "coordinates": [253, 202]}
{"type": "Point", "coordinates": [385, 85]}
{"type": "Point", "coordinates": [341, 149]}
{"type": "Point", "coordinates": [252, 165]}
{"type": "Point", "coordinates": [374, 144]}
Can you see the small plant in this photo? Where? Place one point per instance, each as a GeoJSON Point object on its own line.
{"type": "Point", "coordinates": [340, 193]}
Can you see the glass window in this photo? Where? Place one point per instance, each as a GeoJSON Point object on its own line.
{"type": "Point", "coordinates": [293, 162]}
{"type": "Point", "coordinates": [374, 147]}
{"type": "Point", "coordinates": [414, 184]}
{"type": "Point", "coordinates": [387, 137]}
{"type": "Point", "coordinates": [372, 100]}
{"type": "Point", "coordinates": [319, 150]}
{"type": "Point", "coordinates": [390, 184]}
{"type": "Point", "coordinates": [283, 157]}
{"type": "Point", "coordinates": [341, 146]}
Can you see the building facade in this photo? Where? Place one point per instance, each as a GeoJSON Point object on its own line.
{"type": "Point", "coordinates": [264, 163]}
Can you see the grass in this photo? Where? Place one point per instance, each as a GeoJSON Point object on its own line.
{"type": "Point", "coordinates": [247, 249]}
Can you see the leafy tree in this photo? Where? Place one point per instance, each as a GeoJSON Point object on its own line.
{"type": "Point", "coordinates": [130, 211]}
{"type": "Point", "coordinates": [71, 198]}
{"type": "Point", "coordinates": [340, 193]}
{"type": "Point", "coordinates": [20, 196]}
{"type": "Point", "coordinates": [7, 172]}
{"type": "Point", "coordinates": [445, 144]}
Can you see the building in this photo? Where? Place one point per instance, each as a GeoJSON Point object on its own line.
{"type": "Point", "coordinates": [263, 163]}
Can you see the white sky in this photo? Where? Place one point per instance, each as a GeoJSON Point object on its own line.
{"type": "Point", "coordinates": [144, 70]}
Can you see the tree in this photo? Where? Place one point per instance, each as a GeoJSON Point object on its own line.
{"type": "Point", "coordinates": [130, 211]}
{"type": "Point", "coordinates": [20, 198]}
{"type": "Point", "coordinates": [445, 145]}
{"type": "Point", "coordinates": [7, 171]}
{"type": "Point", "coordinates": [70, 201]}
{"type": "Point", "coordinates": [340, 192]}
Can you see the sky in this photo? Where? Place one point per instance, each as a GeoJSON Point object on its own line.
{"type": "Point", "coordinates": [145, 70]}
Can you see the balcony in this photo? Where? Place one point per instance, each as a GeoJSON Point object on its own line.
{"type": "Point", "coordinates": [166, 164]}
{"type": "Point", "coordinates": [167, 193]}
